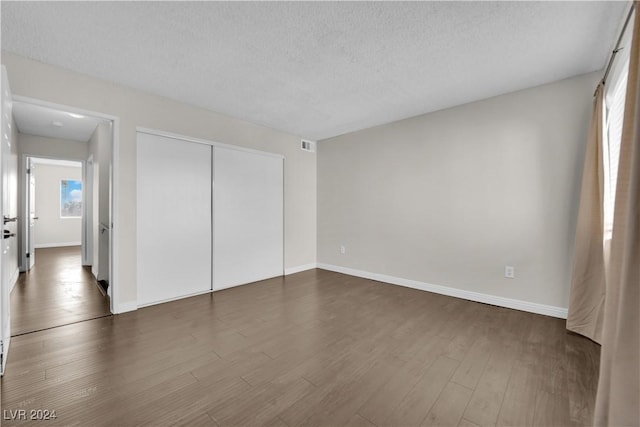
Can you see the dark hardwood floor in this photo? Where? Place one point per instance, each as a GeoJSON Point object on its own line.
{"type": "Point", "coordinates": [57, 291]}
{"type": "Point", "coordinates": [314, 348]}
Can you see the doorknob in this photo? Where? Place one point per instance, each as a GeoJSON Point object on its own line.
{"type": "Point", "coordinates": [7, 219]}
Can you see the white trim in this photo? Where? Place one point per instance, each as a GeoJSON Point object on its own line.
{"type": "Point", "coordinates": [114, 241]}
{"type": "Point", "coordinates": [204, 141]}
{"type": "Point", "coordinates": [23, 205]}
{"type": "Point", "coordinates": [531, 307]}
{"type": "Point", "coordinates": [23, 201]}
{"type": "Point", "coordinates": [114, 278]}
{"type": "Point", "coordinates": [87, 212]}
{"type": "Point", "coordinates": [148, 304]}
{"type": "Point", "coordinates": [56, 245]}
{"type": "Point", "coordinates": [125, 307]}
{"type": "Point", "coordinates": [213, 219]}
{"type": "Point", "coordinates": [298, 269]}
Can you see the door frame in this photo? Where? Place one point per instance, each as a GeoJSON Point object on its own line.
{"type": "Point", "coordinates": [87, 211]}
{"type": "Point", "coordinates": [23, 201]}
{"type": "Point", "coordinates": [114, 196]}
{"type": "Point", "coordinates": [26, 237]}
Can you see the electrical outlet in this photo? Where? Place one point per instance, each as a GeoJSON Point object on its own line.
{"type": "Point", "coordinates": [509, 272]}
{"type": "Point", "coordinates": [343, 250]}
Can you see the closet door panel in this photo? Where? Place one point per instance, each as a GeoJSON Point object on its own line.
{"type": "Point", "coordinates": [248, 206]}
{"type": "Point", "coordinates": [174, 218]}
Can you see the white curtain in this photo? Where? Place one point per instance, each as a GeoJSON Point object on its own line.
{"type": "Point", "coordinates": [586, 304]}
{"type": "Point", "coordinates": [618, 397]}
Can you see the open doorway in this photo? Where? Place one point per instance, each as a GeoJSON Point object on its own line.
{"type": "Point", "coordinates": [54, 206]}
{"type": "Point", "coordinates": [64, 192]}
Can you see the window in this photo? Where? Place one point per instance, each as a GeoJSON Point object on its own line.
{"type": "Point", "coordinates": [613, 135]}
{"type": "Point", "coordinates": [614, 99]}
{"type": "Point", "coordinates": [70, 198]}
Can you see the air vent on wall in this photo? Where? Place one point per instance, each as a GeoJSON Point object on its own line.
{"type": "Point", "coordinates": [308, 145]}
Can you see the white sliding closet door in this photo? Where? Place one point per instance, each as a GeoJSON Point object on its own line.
{"type": "Point", "coordinates": [248, 205]}
{"type": "Point", "coordinates": [174, 218]}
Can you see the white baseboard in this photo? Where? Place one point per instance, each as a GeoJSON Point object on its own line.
{"type": "Point", "coordinates": [56, 245]}
{"type": "Point", "coordinates": [531, 307]}
{"type": "Point", "coordinates": [125, 307]}
{"type": "Point", "coordinates": [298, 269]}
{"type": "Point", "coordinates": [149, 304]}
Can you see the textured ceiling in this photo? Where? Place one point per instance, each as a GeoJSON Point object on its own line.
{"type": "Point", "coordinates": [318, 69]}
{"type": "Point", "coordinates": [43, 121]}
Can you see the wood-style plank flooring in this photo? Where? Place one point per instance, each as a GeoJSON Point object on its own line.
{"type": "Point", "coordinates": [315, 348]}
{"type": "Point", "coordinates": [56, 291]}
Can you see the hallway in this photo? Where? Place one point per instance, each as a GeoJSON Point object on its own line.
{"type": "Point", "coordinates": [57, 291]}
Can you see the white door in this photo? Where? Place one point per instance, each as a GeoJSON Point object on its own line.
{"type": "Point", "coordinates": [31, 201]}
{"type": "Point", "coordinates": [9, 225]}
{"type": "Point", "coordinates": [248, 206]}
{"type": "Point", "coordinates": [173, 218]}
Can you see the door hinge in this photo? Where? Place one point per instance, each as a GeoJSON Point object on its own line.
{"type": "Point", "coordinates": [28, 170]}
{"type": "Point", "coordinates": [28, 255]}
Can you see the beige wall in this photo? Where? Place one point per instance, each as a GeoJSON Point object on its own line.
{"type": "Point", "coordinates": [451, 197]}
{"type": "Point", "coordinates": [135, 108]}
{"type": "Point", "coordinates": [63, 149]}
{"type": "Point", "coordinates": [50, 230]}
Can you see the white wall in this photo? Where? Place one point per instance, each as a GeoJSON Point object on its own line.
{"type": "Point", "coordinates": [50, 230]}
{"type": "Point", "coordinates": [450, 198]}
{"type": "Point", "coordinates": [136, 108]}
